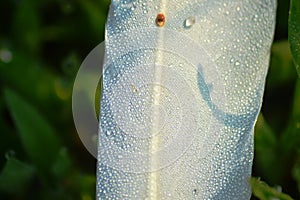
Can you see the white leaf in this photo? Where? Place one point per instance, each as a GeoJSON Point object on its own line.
{"type": "Point", "coordinates": [180, 101]}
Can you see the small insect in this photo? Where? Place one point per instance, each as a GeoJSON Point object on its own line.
{"type": "Point", "coordinates": [133, 88]}
{"type": "Point", "coordinates": [160, 19]}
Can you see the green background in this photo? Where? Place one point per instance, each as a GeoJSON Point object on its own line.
{"type": "Point", "coordinates": [42, 44]}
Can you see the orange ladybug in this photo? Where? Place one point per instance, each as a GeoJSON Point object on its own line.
{"type": "Point", "coordinates": [160, 19]}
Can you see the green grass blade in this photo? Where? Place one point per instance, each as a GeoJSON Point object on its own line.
{"type": "Point", "coordinates": [264, 192]}
{"type": "Point", "coordinates": [37, 136]}
{"type": "Point", "coordinates": [294, 32]}
{"type": "Point", "coordinates": [15, 176]}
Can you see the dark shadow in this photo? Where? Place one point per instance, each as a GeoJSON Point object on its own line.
{"type": "Point", "coordinates": [231, 120]}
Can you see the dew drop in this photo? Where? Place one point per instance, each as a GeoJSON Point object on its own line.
{"type": "Point", "coordinates": [108, 133]}
{"type": "Point", "coordinates": [5, 55]}
{"type": "Point", "coordinates": [10, 154]}
{"type": "Point", "coordinates": [255, 17]}
{"type": "Point", "coordinates": [189, 22]}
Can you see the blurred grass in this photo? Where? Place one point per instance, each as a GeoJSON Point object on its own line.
{"type": "Point", "coordinates": [42, 44]}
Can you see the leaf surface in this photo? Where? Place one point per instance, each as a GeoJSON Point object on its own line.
{"type": "Point", "coordinates": [180, 101]}
{"type": "Point", "coordinates": [15, 177]}
{"type": "Point", "coordinates": [294, 32]}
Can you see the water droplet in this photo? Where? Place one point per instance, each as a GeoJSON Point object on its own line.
{"type": "Point", "coordinates": [160, 20]}
{"type": "Point", "coordinates": [189, 22]}
{"type": "Point", "coordinates": [10, 154]}
{"type": "Point", "coordinates": [227, 12]}
{"type": "Point", "coordinates": [5, 55]}
{"type": "Point", "coordinates": [108, 133]}
{"type": "Point", "coordinates": [237, 63]}
{"type": "Point", "coordinates": [255, 17]}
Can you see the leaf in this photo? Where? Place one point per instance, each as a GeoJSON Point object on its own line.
{"type": "Point", "coordinates": [182, 89]}
{"type": "Point", "coordinates": [265, 149]}
{"type": "Point", "coordinates": [96, 18]}
{"type": "Point", "coordinates": [27, 22]}
{"type": "Point", "coordinates": [280, 82]}
{"type": "Point", "coordinates": [38, 138]}
{"type": "Point", "coordinates": [38, 85]}
{"type": "Point", "coordinates": [296, 173]}
{"type": "Point", "coordinates": [86, 184]}
{"type": "Point", "coordinates": [16, 176]}
{"type": "Point", "coordinates": [290, 140]}
{"type": "Point", "coordinates": [265, 192]}
{"type": "Point", "coordinates": [296, 106]}
{"type": "Point", "coordinates": [62, 166]}
{"type": "Point", "coordinates": [294, 32]}
{"type": "Point", "coordinates": [282, 69]}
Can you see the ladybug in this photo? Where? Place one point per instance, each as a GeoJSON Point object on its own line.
{"type": "Point", "coordinates": [160, 19]}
